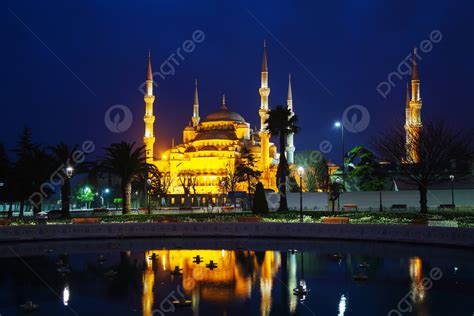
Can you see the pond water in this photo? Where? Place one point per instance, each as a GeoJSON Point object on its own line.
{"type": "Point", "coordinates": [133, 277]}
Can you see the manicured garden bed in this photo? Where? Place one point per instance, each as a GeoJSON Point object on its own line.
{"type": "Point", "coordinates": [463, 219]}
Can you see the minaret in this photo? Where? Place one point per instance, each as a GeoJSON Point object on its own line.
{"type": "Point", "coordinates": [196, 117]}
{"type": "Point", "coordinates": [149, 118]}
{"type": "Point", "coordinates": [413, 123]}
{"type": "Point", "coordinates": [290, 147]}
{"type": "Point", "coordinates": [263, 112]}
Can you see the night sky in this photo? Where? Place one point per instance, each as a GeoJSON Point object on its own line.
{"type": "Point", "coordinates": [65, 63]}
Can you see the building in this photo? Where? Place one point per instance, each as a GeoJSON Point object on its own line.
{"type": "Point", "coordinates": [413, 123]}
{"type": "Point", "coordinates": [212, 146]}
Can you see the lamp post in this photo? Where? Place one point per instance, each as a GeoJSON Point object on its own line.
{"type": "Point", "coordinates": [105, 191]}
{"type": "Point", "coordinates": [338, 124]}
{"type": "Point", "coordinates": [451, 177]}
{"type": "Point", "coordinates": [69, 172]}
{"type": "Point", "coordinates": [223, 192]}
{"type": "Point", "coordinates": [338, 181]}
{"type": "Point", "coordinates": [148, 183]}
{"type": "Point", "coordinates": [300, 174]}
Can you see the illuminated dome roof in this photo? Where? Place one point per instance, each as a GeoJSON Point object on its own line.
{"type": "Point", "coordinates": [224, 115]}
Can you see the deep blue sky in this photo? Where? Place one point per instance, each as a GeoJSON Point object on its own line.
{"type": "Point", "coordinates": [349, 46]}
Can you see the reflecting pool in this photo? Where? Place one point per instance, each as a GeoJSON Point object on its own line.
{"type": "Point", "coordinates": [234, 277]}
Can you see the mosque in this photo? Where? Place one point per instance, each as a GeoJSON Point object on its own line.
{"type": "Point", "coordinates": [212, 146]}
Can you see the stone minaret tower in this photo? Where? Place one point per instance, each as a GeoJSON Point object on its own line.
{"type": "Point", "coordinates": [290, 147]}
{"type": "Point", "coordinates": [264, 92]}
{"type": "Point", "coordinates": [196, 117]}
{"type": "Point", "coordinates": [149, 118]}
{"type": "Point", "coordinates": [413, 123]}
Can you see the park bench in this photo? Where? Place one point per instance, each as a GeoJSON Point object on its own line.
{"type": "Point", "coordinates": [420, 221]}
{"type": "Point", "coordinates": [100, 212]}
{"type": "Point", "coordinates": [398, 207]}
{"type": "Point", "coordinates": [165, 219]}
{"type": "Point", "coordinates": [85, 220]}
{"type": "Point", "coordinates": [185, 208]}
{"type": "Point", "coordinates": [335, 220]}
{"type": "Point", "coordinates": [249, 219]}
{"type": "Point", "coordinates": [447, 206]}
{"type": "Point", "coordinates": [352, 207]}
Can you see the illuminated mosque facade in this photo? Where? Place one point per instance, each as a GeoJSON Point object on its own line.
{"type": "Point", "coordinates": [212, 146]}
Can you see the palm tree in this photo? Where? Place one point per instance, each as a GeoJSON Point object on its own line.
{"type": "Point", "coordinates": [127, 162]}
{"type": "Point", "coordinates": [63, 159]}
{"type": "Point", "coordinates": [24, 168]}
{"type": "Point", "coordinates": [282, 122]}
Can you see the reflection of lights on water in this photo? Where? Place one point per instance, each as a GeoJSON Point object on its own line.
{"type": "Point", "coordinates": [223, 253]}
{"type": "Point", "coordinates": [163, 260]}
{"type": "Point", "coordinates": [66, 295]}
{"type": "Point", "coordinates": [416, 275]}
{"type": "Point", "coordinates": [342, 305]}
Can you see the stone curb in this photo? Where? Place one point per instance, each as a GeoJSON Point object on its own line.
{"type": "Point", "coordinates": [444, 236]}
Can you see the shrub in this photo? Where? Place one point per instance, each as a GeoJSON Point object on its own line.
{"type": "Point", "coordinates": [260, 205]}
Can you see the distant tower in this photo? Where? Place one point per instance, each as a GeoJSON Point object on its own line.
{"type": "Point", "coordinates": [263, 112]}
{"type": "Point", "coordinates": [290, 147]}
{"type": "Point", "coordinates": [196, 117]}
{"type": "Point", "coordinates": [413, 123]}
{"type": "Point", "coordinates": [149, 118]}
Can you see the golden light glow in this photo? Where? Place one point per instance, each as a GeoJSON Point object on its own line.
{"type": "Point", "coordinates": [232, 280]}
{"type": "Point", "coordinates": [416, 275]}
{"type": "Point", "coordinates": [211, 147]}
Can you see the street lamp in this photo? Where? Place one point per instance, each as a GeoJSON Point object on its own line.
{"type": "Point", "coordinates": [105, 191]}
{"type": "Point", "coordinates": [338, 181]}
{"type": "Point", "coordinates": [338, 124]}
{"type": "Point", "coordinates": [223, 192]}
{"type": "Point", "coordinates": [69, 171]}
{"type": "Point", "coordinates": [300, 174]}
{"type": "Point", "coordinates": [451, 177]}
{"type": "Point", "coordinates": [148, 183]}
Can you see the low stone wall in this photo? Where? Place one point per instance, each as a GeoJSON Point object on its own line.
{"type": "Point", "coordinates": [463, 237]}
{"type": "Point", "coordinates": [367, 200]}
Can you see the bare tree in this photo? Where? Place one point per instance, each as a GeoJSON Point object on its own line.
{"type": "Point", "coordinates": [441, 151]}
{"type": "Point", "coordinates": [188, 180]}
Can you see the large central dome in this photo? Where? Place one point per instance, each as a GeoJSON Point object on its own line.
{"type": "Point", "coordinates": [224, 115]}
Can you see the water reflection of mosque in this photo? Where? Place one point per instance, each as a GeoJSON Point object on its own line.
{"type": "Point", "coordinates": [234, 279]}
